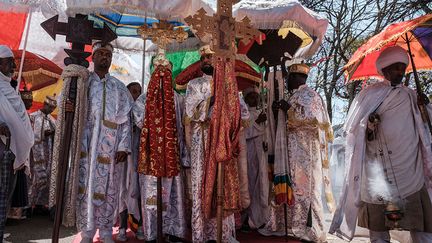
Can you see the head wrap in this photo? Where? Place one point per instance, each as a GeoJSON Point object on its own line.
{"type": "Point", "coordinates": [391, 55]}
{"type": "Point", "coordinates": [299, 68]}
{"type": "Point", "coordinates": [250, 90]}
{"type": "Point", "coordinates": [51, 100]}
{"type": "Point", "coordinates": [99, 45]}
{"type": "Point", "coordinates": [5, 52]}
{"type": "Point", "coordinates": [206, 50]}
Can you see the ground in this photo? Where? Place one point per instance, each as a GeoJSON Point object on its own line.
{"type": "Point", "coordinates": [38, 229]}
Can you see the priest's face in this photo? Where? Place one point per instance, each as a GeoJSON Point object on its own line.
{"type": "Point", "coordinates": [28, 103]}
{"type": "Point", "coordinates": [7, 66]}
{"type": "Point", "coordinates": [206, 64]}
{"type": "Point", "coordinates": [295, 80]}
{"type": "Point", "coordinates": [102, 59]}
{"type": "Point", "coordinates": [395, 72]}
{"type": "Point", "coordinates": [135, 91]}
{"type": "Point", "coordinates": [252, 99]}
{"type": "Point", "coordinates": [48, 109]}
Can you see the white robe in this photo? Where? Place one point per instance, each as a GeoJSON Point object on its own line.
{"type": "Point", "coordinates": [14, 114]}
{"type": "Point", "coordinates": [345, 218]}
{"type": "Point", "coordinates": [104, 135]}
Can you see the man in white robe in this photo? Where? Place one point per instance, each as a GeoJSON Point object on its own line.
{"type": "Point", "coordinates": [388, 154]}
{"type": "Point", "coordinates": [258, 211]}
{"type": "Point", "coordinates": [14, 124]}
{"type": "Point", "coordinates": [43, 126]}
{"type": "Point", "coordinates": [104, 148]}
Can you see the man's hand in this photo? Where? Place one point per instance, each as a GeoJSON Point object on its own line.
{"type": "Point", "coordinates": [4, 130]}
{"type": "Point", "coordinates": [261, 118]}
{"type": "Point", "coordinates": [120, 156]}
{"type": "Point", "coordinates": [284, 105]}
{"type": "Point", "coordinates": [69, 106]}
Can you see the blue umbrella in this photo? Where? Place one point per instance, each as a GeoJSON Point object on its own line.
{"type": "Point", "coordinates": [127, 24]}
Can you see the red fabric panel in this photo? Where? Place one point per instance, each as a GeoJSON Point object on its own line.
{"type": "Point", "coordinates": [12, 27]}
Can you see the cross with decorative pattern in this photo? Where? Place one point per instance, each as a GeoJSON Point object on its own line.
{"type": "Point", "coordinates": [223, 28]}
{"type": "Point", "coordinates": [162, 33]}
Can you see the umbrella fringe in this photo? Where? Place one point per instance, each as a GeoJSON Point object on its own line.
{"type": "Point", "coordinates": [40, 71]}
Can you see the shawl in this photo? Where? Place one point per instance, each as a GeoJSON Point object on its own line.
{"type": "Point", "coordinates": [223, 140]}
{"type": "Point", "coordinates": [345, 218]}
{"type": "Point", "coordinates": [71, 190]}
{"type": "Point", "coordinates": [159, 153]}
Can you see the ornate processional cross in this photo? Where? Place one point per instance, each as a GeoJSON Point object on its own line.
{"type": "Point", "coordinates": [223, 28]}
{"type": "Point", "coordinates": [162, 33]}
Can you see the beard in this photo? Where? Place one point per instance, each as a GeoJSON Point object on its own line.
{"type": "Point", "coordinates": [207, 69]}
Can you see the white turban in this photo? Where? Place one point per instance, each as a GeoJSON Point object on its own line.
{"type": "Point", "coordinates": [5, 52]}
{"type": "Point", "coordinates": [391, 55]}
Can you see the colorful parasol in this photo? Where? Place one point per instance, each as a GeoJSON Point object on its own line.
{"type": "Point", "coordinates": [37, 72]}
{"type": "Point", "coordinates": [417, 33]}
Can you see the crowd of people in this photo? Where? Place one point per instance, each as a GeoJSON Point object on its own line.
{"type": "Point", "coordinates": [274, 183]}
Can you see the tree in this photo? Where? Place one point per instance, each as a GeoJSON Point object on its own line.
{"type": "Point", "coordinates": [351, 23]}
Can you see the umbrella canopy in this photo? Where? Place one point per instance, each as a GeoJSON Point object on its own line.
{"type": "Point", "coordinates": [38, 72]}
{"type": "Point", "coordinates": [246, 75]}
{"type": "Point", "coordinates": [418, 32]}
{"type": "Point", "coordinates": [303, 23]}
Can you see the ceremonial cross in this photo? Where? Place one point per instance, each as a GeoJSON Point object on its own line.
{"type": "Point", "coordinates": [80, 32]}
{"type": "Point", "coordinates": [223, 28]}
{"type": "Point", "coordinates": [162, 33]}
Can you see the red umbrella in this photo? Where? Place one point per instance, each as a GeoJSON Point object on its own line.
{"type": "Point", "coordinates": [413, 35]}
{"type": "Point", "coordinates": [417, 33]}
{"type": "Point", "coordinates": [37, 72]}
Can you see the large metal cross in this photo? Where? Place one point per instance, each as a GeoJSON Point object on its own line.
{"type": "Point", "coordinates": [162, 33]}
{"type": "Point", "coordinates": [223, 28]}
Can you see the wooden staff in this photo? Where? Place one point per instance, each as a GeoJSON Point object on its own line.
{"type": "Point", "coordinates": [421, 104]}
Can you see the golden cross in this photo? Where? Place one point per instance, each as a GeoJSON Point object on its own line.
{"type": "Point", "coordinates": [162, 33]}
{"type": "Point", "coordinates": [222, 27]}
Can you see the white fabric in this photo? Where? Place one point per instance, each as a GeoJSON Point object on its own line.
{"type": "Point", "coordinates": [14, 114]}
{"type": "Point", "coordinates": [5, 52]}
{"type": "Point", "coordinates": [390, 56]}
{"type": "Point", "coordinates": [345, 218]}
{"type": "Point", "coordinates": [401, 153]}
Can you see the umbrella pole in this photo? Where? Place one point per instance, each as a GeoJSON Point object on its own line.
{"type": "Point", "coordinates": [143, 66]}
{"type": "Point", "coordinates": [422, 106]}
{"type": "Point", "coordinates": [24, 51]}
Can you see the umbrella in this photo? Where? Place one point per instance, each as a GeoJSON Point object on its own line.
{"type": "Point", "coordinates": [290, 28]}
{"type": "Point", "coordinates": [416, 32]}
{"type": "Point", "coordinates": [413, 35]}
{"type": "Point", "coordinates": [38, 72]}
{"type": "Point", "coordinates": [246, 75]}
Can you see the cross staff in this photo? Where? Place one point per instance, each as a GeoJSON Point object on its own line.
{"type": "Point", "coordinates": [224, 30]}
{"type": "Point", "coordinates": [80, 32]}
{"type": "Point", "coordinates": [162, 34]}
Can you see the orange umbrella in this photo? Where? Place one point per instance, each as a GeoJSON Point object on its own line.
{"type": "Point", "coordinates": [37, 72]}
{"type": "Point", "coordinates": [416, 34]}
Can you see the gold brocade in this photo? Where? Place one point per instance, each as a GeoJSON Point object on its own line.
{"type": "Point", "coordinates": [294, 123]}
{"type": "Point", "coordinates": [83, 155]}
{"type": "Point", "coordinates": [103, 160]}
{"type": "Point", "coordinates": [99, 196]}
{"type": "Point", "coordinates": [110, 124]}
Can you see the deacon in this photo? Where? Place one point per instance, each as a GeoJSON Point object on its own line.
{"type": "Point", "coordinates": [198, 106]}
{"type": "Point", "coordinates": [309, 132]}
{"type": "Point", "coordinates": [130, 192]}
{"type": "Point", "coordinates": [159, 156]}
{"type": "Point", "coordinates": [105, 145]}
{"type": "Point", "coordinates": [43, 126]}
{"type": "Point", "coordinates": [14, 124]}
{"type": "Point", "coordinates": [388, 153]}
{"type": "Point", "coordinates": [258, 211]}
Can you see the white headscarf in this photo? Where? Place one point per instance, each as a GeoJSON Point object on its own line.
{"type": "Point", "coordinates": [5, 52]}
{"type": "Point", "coordinates": [390, 56]}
